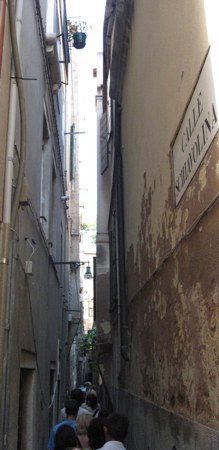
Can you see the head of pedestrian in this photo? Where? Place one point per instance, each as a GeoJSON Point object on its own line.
{"type": "Point", "coordinates": [96, 435]}
{"type": "Point", "coordinates": [71, 408]}
{"type": "Point", "coordinates": [65, 437]}
{"type": "Point", "coordinates": [116, 427]}
{"type": "Point", "coordinates": [87, 384]}
{"type": "Point", "coordinates": [91, 399]}
{"type": "Point", "coordinates": [77, 394]}
{"type": "Point", "coordinates": [83, 422]}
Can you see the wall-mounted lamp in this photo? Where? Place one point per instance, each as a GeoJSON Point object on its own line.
{"type": "Point", "coordinates": [75, 265]}
{"type": "Point", "coordinates": [75, 132]}
{"type": "Point", "coordinates": [88, 273]}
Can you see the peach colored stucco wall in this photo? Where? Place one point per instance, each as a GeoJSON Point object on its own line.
{"type": "Point", "coordinates": [172, 254]}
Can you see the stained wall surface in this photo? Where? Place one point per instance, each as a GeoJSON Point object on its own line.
{"type": "Point", "coordinates": [172, 252]}
{"type": "Point", "coordinates": [36, 319]}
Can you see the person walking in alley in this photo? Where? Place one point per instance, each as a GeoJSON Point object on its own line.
{"type": "Point", "coordinates": [66, 437]}
{"type": "Point", "coordinates": [83, 422]}
{"type": "Point", "coordinates": [91, 405]}
{"type": "Point", "coordinates": [71, 407]}
{"type": "Point", "coordinates": [78, 395]}
{"type": "Point", "coordinates": [95, 432]}
{"type": "Point", "coordinates": [116, 430]}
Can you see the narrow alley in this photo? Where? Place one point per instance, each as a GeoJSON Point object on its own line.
{"type": "Point", "coordinates": [109, 175]}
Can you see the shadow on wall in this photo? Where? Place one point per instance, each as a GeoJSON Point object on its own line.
{"type": "Point", "coordinates": [173, 448]}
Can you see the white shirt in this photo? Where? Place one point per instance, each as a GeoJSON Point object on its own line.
{"type": "Point", "coordinates": [62, 413]}
{"type": "Point", "coordinates": [113, 445]}
{"type": "Point", "coordinates": [85, 409]}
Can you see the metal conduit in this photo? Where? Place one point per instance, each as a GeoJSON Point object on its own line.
{"type": "Point", "coordinates": [6, 225]}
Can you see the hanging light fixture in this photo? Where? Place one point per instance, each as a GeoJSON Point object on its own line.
{"type": "Point", "coordinates": [77, 33]}
{"type": "Point", "coordinates": [75, 265]}
{"type": "Point", "coordinates": [88, 273]}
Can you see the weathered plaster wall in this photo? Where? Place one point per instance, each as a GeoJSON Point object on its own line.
{"type": "Point", "coordinates": [37, 316]}
{"type": "Point", "coordinates": [172, 254]}
{"type": "Point", "coordinates": [176, 318]}
{"type": "Point", "coordinates": [161, 77]}
{"type": "Point", "coordinates": [35, 325]}
{"type": "Point", "coordinates": [156, 428]}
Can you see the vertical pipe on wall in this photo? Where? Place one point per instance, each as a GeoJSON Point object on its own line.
{"type": "Point", "coordinates": [11, 126]}
{"type": "Point", "coordinates": [15, 40]}
{"type": "Point", "coordinates": [2, 29]}
{"type": "Point", "coordinates": [8, 216]}
{"type": "Point", "coordinates": [121, 236]}
{"type": "Point", "coordinates": [4, 267]}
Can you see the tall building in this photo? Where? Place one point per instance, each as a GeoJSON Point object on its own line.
{"type": "Point", "coordinates": [157, 246]}
{"type": "Point", "coordinates": [39, 304]}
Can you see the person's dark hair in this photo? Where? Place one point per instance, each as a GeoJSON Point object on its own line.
{"type": "Point", "coordinates": [96, 434]}
{"type": "Point", "coordinates": [71, 408]}
{"type": "Point", "coordinates": [65, 437]}
{"type": "Point", "coordinates": [117, 426]}
{"type": "Point", "coordinates": [77, 394]}
{"type": "Point", "coordinates": [91, 400]}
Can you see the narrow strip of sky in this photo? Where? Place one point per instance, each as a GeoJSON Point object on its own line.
{"type": "Point", "coordinates": [92, 13]}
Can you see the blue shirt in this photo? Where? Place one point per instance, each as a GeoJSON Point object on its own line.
{"type": "Point", "coordinates": [51, 443]}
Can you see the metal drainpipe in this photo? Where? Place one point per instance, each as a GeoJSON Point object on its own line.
{"type": "Point", "coordinates": [109, 400]}
{"type": "Point", "coordinates": [9, 215]}
{"type": "Point", "coordinates": [121, 238]}
{"type": "Point", "coordinates": [2, 30]}
{"type": "Point", "coordinates": [18, 73]}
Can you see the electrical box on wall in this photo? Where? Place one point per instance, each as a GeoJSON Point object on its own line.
{"type": "Point", "coordinates": [29, 267]}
